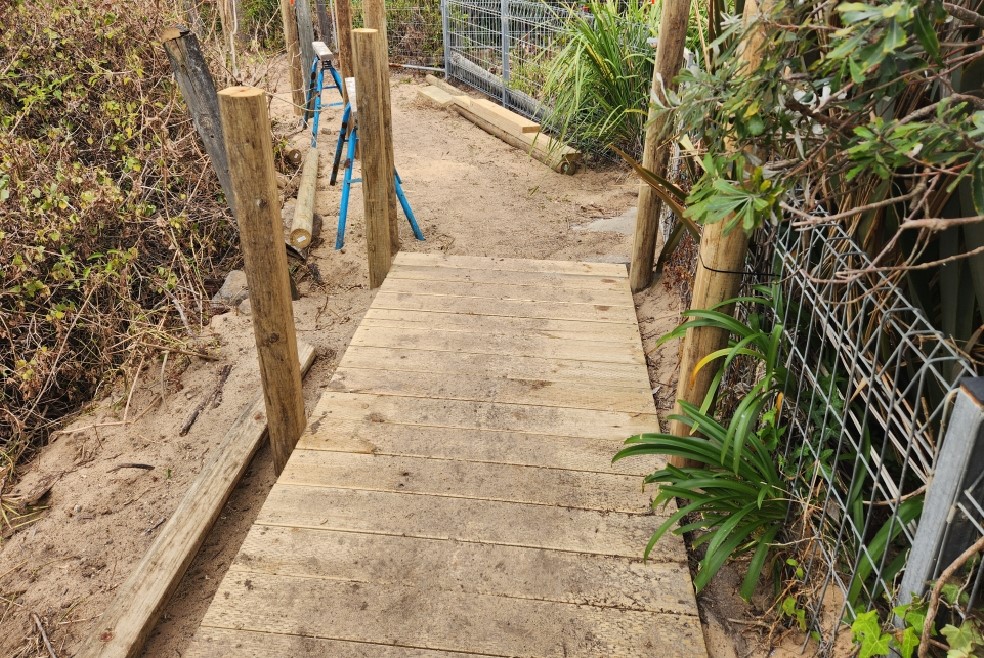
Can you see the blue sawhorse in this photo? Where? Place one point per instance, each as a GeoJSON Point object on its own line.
{"type": "Point", "coordinates": [312, 108]}
{"type": "Point", "coordinates": [347, 179]}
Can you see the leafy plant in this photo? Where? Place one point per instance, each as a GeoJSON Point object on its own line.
{"type": "Point", "coordinates": [738, 496]}
{"type": "Point", "coordinates": [597, 87]}
{"type": "Point", "coordinates": [963, 640]}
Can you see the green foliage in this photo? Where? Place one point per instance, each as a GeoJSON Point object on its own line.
{"type": "Point", "coordinates": [738, 496]}
{"type": "Point", "coordinates": [738, 493]}
{"type": "Point", "coordinates": [413, 27]}
{"type": "Point", "coordinates": [106, 221]}
{"type": "Point", "coordinates": [869, 633]}
{"type": "Point", "coordinates": [262, 22]}
{"type": "Point", "coordinates": [597, 87]}
{"type": "Point", "coordinates": [858, 109]}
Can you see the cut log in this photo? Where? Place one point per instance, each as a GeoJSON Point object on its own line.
{"type": "Point", "coordinates": [435, 96]}
{"type": "Point", "coordinates": [126, 623]}
{"type": "Point", "coordinates": [302, 232]}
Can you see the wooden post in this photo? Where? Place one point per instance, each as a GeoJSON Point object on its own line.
{"type": "Point", "coordinates": [294, 66]}
{"type": "Point", "coordinates": [371, 80]}
{"type": "Point", "coordinates": [725, 253]}
{"type": "Point", "coordinates": [198, 90]}
{"type": "Point", "coordinates": [305, 34]}
{"type": "Point", "coordinates": [343, 29]}
{"type": "Point", "coordinates": [669, 58]}
{"type": "Point", "coordinates": [324, 23]}
{"type": "Point", "coordinates": [374, 17]}
{"type": "Point", "coordinates": [247, 136]}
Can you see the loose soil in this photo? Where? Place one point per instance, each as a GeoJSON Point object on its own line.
{"type": "Point", "coordinates": [472, 195]}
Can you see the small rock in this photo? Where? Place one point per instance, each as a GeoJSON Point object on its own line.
{"type": "Point", "coordinates": [245, 307]}
{"type": "Point", "coordinates": [77, 509]}
{"type": "Point", "coordinates": [233, 291]}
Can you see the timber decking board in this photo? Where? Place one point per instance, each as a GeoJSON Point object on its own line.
{"type": "Point", "coordinates": [453, 494]}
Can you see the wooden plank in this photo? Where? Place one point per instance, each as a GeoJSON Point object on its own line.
{"type": "Point", "coordinates": [501, 482]}
{"type": "Point", "coordinates": [601, 332]}
{"type": "Point", "coordinates": [487, 569]}
{"type": "Point", "coordinates": [503, 118]}
{"type": "Point", "coordinates": [445, 620]}
{"type": "Point", "coordinates": [550, 451]}
{"type": "Point", "coordinates": [507, 277]}
{"type": "Point", "coordinates": [486, 521]}
{"type": "Point", "coordinates": [483, 415]}
{"type": "Point", "coordinates": [587, 395]}
{"type": "Point", "coordinates": [505, 345]}
{"type": "Point", "coordinates": [435, 81]}
{"type": "Point", "coordinates": [229, 643]}
{"type": "Point", "coordinates": [512, 292]}
{"type": "Point", "coordinates": [435, 96]}
{"type": "Point", "coordinates": [519, 367]}
{"type": "Point", "coordinates": [124, 626]}
{"type": "Point", "coordinates": [512, 264]}
{"type": "Point", "coordinates": [479, 306]}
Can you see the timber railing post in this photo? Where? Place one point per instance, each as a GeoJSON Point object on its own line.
{"type": "Point", "coordinates": [343, 29]}
{"type": "Point", "coordinates": [719, 274]}
{"type": "Point", "coordinates": [374, 18]}
{"type": "Point", "coordinates": [198, 90]}
{"type": "Point", "coordinates": [371, 80]}
{"type": "Point", "coordinates": [246, 126]}
{"type": "Point", "coordinates": [294, 65]}
{"type": "Point", "coordinates": [305, 35]}
{"type": "Point", "coordinates": [669, 58]}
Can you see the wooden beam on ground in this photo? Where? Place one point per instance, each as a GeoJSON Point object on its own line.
{"type": "Point", "coordinates": [557, 159]}
{"type": "Point", "coordinates": [198, 90]}
{"type": "Point", "coordinates": [246, 126]}
{"type": "Point", "coordinates": [371, 77]}
{"type": "Point", "coordinates": [656, 154]}
{"type": "Point", "coordinates": [451, 90]}
{"type": "Point", "coordinates": [505, 119]}
{"type": "Point", "coordinates": [718, 278]}
{"type": "Point", "coordinates": [123, 628]}
{"type": "Point", "coordinates": [435, 96]}
{"type": "Point", "coordinates": [302, 228]}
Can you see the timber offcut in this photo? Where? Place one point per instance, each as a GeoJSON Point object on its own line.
{"type": "Point", "coordinates": [453, 494]}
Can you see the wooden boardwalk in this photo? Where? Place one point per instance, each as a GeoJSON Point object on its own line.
{"type": "Point", "coordinates": [453, 495]}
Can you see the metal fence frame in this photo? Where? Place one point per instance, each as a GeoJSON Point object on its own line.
{"type": "Point", "coordinates": [869, 392]}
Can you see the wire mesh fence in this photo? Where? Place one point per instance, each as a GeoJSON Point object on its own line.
{"type": "Point", "coordinates": [414, 31]}
{"type": "Point", "coordinates": [869, 389]}
{"type": "Point", "coordinates": [505, 49]}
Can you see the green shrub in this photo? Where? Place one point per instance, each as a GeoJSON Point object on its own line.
{"type": "Point", "coordinates": [110, 218]}
{"type": "Point", "coordinates": [597, 87]}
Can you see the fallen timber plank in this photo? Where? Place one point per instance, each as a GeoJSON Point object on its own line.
{"type": "Point", "coordinates": [449, 89]}
{"type": "Point", "coordinates": [123, 628]}
{"type": "Point", "coordinates": [502, 117]}
{"type": "Point", "coordinates": [435, 96]}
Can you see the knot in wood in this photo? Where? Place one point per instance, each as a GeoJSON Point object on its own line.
{"type": "Point", "coordinates": [273, 338]}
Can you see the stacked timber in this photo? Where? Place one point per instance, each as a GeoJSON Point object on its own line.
{"type": "Point", "coordinates": [514, 129]}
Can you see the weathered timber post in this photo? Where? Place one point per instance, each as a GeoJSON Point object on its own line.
{"type": "Point", "coordinates": [305, 34]}
{"type": "Point", "coordinates": [374, 18]}
{"type": "Point", "coordinates": [198, 90]}
{"type": "Point", "coordinates": [718, 278]}
{"type": "Point", "coordinates": [371, 81]}
{"type": "Point", "coordinates": [324, 23]}
{"type": "Point", "coordinates": [343, 29]}
{"type": "Point", "coordinates": [246, 126]}
{"type": "Point", "coordinates": [294, 66]}
{"type": "Point", "coordinates": [302, 228]}
{"type": "Point", "coordinates": [669, 59]}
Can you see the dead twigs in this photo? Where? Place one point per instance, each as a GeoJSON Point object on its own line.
{"type": "Point", "coordinates": [44, 635]}
{"type": "Point", "coordinates": [934, 597]}
{"type": "Point", "coordinates": [213, 398]}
